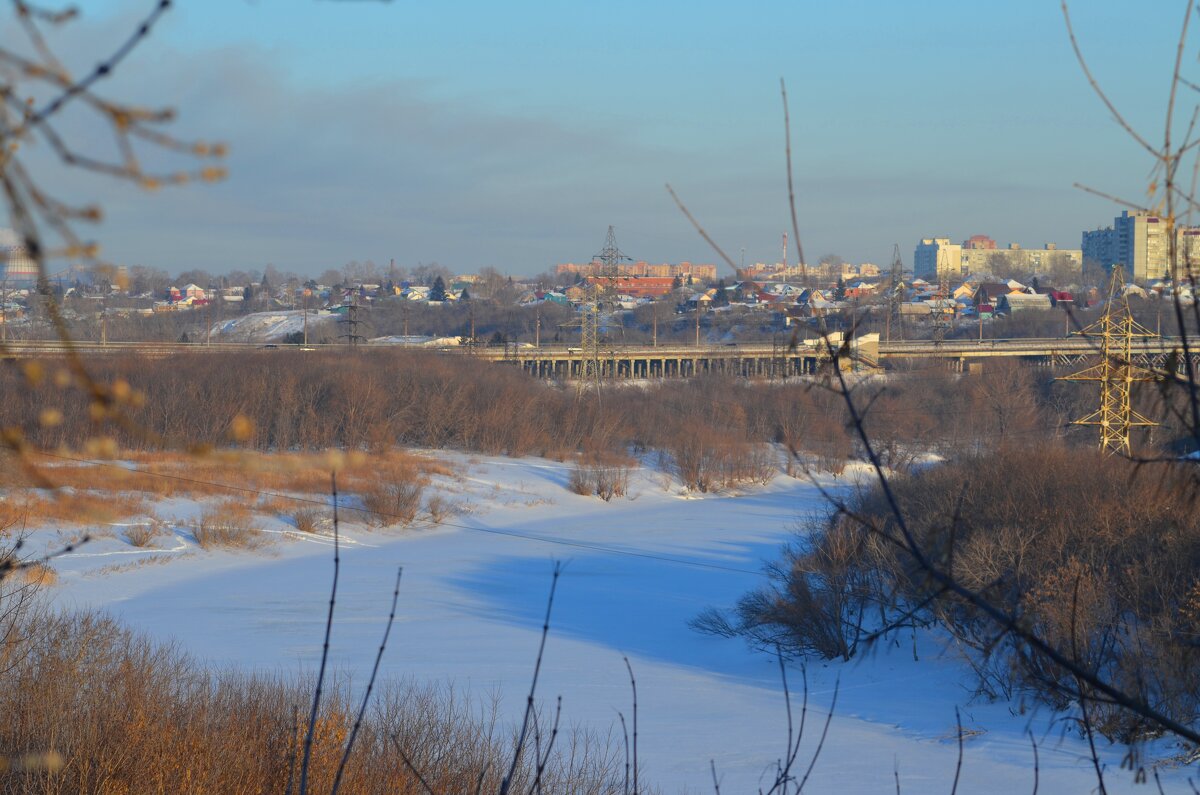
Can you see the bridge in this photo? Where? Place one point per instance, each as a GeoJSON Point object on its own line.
{"type": "Point", "coordinates": [768, 360]}
{"type": "Point", "coordinates": [777, 359]}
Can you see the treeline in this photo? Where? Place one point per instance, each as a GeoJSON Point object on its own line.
{"type": "Point", "coordinates": [272, 401]}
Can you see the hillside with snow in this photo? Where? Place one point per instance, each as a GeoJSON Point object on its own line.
{"type": "Point", "coordinates": [273, 327]}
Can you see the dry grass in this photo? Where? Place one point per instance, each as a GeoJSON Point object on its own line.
{"type": "Point", "coordinates": [28, 508]}
{"type": "Point", "coordinates": [229, 526]}
{"type": "Point", "coordinates": [138, 563]}
{"type": "Point", "coordinates": [94, 495]}
{"type": "Point", "coordinates": [39, 574]}
{"type": "Point", "coordinates": [171, 474]}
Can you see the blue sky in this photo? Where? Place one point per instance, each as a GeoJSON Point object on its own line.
{"type": "Point", "coordinates": [511, 135]}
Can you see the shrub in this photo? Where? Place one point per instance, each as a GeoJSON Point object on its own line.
{"type": "Point", "coordinates": [604, 476]}
{"type": "Point", "coordinates": [143, 534]}
{"type": "Point", "coordinates": [391, 503]}
{"type": "Point", "coordinates": [704, 463]}
{"type": "Point", "coordinates": [306, 520]}
{"type": "Point", "coordinates": [816, 600]}
{"type": "Point", "coordinates": [227, 526]}
{"type": "Point", "coordinates": [439, 508]}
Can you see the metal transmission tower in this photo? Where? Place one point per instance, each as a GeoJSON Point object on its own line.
{"type": "Point", "coordinates": [941, 323]}
{"type": "Point", "coordinates": [609, 259]}
{"type": "Point", "coordinates": [352, 319]}
{"type": "Point", "coordinates": [610, 256]}
{"type": "Point", "coordinates": [1116, 329]}
{"type": "Point", "coordinates": [895, 296]}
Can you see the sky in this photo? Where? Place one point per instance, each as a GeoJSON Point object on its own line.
{"type": "Point", "coordinates": [511, 135]}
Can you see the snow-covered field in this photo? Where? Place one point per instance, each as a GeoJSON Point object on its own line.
{"type": "Point", "coordinates": [470, 614]}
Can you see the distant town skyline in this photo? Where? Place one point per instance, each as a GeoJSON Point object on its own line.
{"type": "Point", "coordinates": [478, 135]}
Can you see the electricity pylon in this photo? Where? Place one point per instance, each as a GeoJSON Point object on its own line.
{"type": "Point", "coordinates": [1116, 329]}
{"type": "Point", "coordinates": [351, 320]}
{"type": "Point", "coordinates": [600, 282]}
{"type": "Point", "coordinates": [609, 259]}
{"type": "Point", "coordinates": [941, 324]}
{"type": "Point", "coordinates": [895, 295]}
{"type": "Point", "coordinates": [589, 344]}
{"type": "Point", "coordinates": [610, 256]}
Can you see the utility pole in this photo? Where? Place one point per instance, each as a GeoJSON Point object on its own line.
{"type": "Point", "coordinates": [537, 326]}
{"type": "Point", "coordinates": [307, 292]}
{"type": "Point", "coordinates": [471, 314]}
{"type": "Point", "coordinates": [697, 324]}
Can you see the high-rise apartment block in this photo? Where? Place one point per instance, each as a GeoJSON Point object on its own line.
{"type": "Point", "coordinates": [1140, 242]}
{"type": "Point", "coordinates": [937, 257]}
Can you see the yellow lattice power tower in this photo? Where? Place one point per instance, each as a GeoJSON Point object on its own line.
{"type": "Point", "coordinates": [1115, 331]}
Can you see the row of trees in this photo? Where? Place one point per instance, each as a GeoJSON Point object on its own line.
{"type": "Point", "coordinates": [388, 397]}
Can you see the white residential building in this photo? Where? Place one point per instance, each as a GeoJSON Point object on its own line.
{"type": "Point", "coordinates": [937, 257]}
{"type": "Point", "coordinates": [1140, 242]}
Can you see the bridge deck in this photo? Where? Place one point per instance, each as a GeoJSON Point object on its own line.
{"type": "Point", "coordinates": [754, 359]}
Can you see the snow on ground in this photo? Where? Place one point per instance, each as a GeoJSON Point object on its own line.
{"type": "Point", "coordinates": [273, 326]}
{"type": "Point", "coordinates": [471, 608]}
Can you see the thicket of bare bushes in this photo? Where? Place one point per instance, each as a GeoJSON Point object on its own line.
{"type": "Point", "coordinates": [1096, 556]}
{"type": "Point", "coordinates": [124, 714]}
{"type": "Point", "coordinates": [709, 430]}
{"type": "Point", "coordinates": [393, 502]}
{"type": "Point", "coordinates": [601, 475]}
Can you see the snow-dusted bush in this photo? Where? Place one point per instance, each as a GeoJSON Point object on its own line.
{"type": "Point", "coordinates": [228, 525]}
{"type": "Point", "coordinates": [392, 502]}
{"type": "Point", "coordinates": [143, 534]}
{"type": "Point", "coordinates": [602, 476]}
{"type": "Point", "coordinates": [306, 520]}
